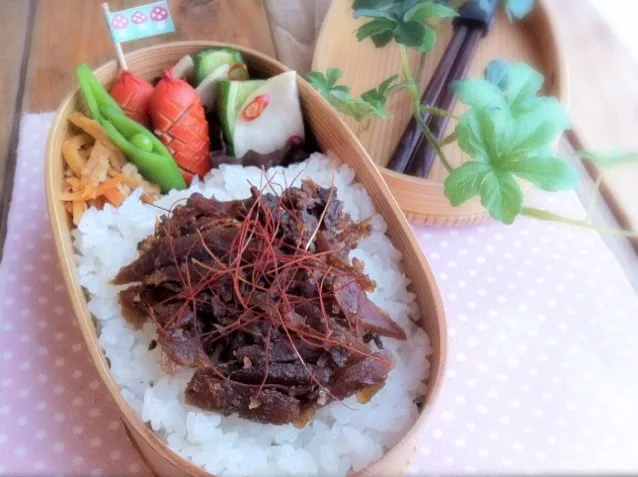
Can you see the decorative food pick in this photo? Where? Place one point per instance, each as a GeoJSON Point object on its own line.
{"type": "Point", "coordinates": [413, 155]}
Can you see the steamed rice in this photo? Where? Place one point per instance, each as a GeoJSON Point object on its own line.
{"type": "Point", "coordinates": [340, 437]}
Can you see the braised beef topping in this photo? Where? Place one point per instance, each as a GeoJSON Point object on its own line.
{"type": "Point", "coordinates": [261, 298]}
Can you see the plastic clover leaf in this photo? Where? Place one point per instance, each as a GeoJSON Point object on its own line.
{"type": "Point", "coordinates": [514, 9]}
{"type": "Point", "coordinates": [504, 147]}
{"type": "Point", "coordinates": [371, 104]}
{"type": "Point", "coordinates": [405, 21]}
{"type": "Point", "coordinates": [517, 9]}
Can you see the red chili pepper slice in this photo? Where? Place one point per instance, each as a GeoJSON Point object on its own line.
{"type": "Point", "coordinates": [256, 107]}
{"type": "Point", "coordinates": [238, 72]}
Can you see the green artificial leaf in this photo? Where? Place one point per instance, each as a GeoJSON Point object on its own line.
{"type": "Point", "coordinates": [538, 128]}
{"type": "Point", "coordinates": [496, 72]}
{"type": "Point", "coordinates": [518, 9]}
{"type": "Point", "coordinates": [372, 4]}
{"type": "Point", "coordinates": [429, 40]}
{"type": "Point", "coordinates": [545, 172]}
{"type": "Point", "coordinates": [378, 97]}
{"type": "Point", "coordinates": [464, 182]}
{"type": "Point", "coordinates": [478, 93]}
{"type": "Point", "coordinates": [501, 196]}
{"type": "Point", "coordinates": [327, 84]}
{"type": "Point", "coordinates": [521, 82]}
{"type": "Point", "coordinates": [377, 28]}
{"type": "Point", "coordinates": [480, 133]}
{"type": "Point", "coordinates": [369, 13]}
{"type": "Point", "coordinates": [424, 11]}
{"type": "Point", "coordinates": [405, 21]}
{"type": "Point", "coordinates": [410, 33]}
{"type": "Point", "coordinates": [371, 104]}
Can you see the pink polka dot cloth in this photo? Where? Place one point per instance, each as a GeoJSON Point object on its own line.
{"type": "Point", "coordinates": [543, 351]}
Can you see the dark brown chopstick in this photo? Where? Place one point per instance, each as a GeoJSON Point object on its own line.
{"type": "Point", "coordinates": [422, 160]}
{"type": "Point", "coordinates": [413, 154]}
{"type": "Point", "coordinates": [413, 135]}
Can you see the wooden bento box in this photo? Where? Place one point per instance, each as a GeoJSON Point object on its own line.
{"type": "Point", "coordinates": [332, 135]}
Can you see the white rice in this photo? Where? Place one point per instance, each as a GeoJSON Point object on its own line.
{"type": "Point", "coordinates": [340, 438]}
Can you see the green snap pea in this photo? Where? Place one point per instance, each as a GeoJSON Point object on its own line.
{"type": "Point", "coordinates": [157, 168]}
{"type": "Point", "coordinates": [141, 146]}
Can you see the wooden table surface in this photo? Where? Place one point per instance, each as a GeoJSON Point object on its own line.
{"type": "Point", "coordinates": [44, 40]}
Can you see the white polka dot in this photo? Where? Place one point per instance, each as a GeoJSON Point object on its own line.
{"type": "Point", "coordinates": [96, 473]}
{"type": "Point", "coordinates": [483, 453]}
{"type": "Point", "coordinates": [59, 389]}
{"type": "Point", "coordinates": [77, 430]}
{"type": "Point", "coordinates": [4, 410]}
{"type": "Point", "coordinates": [59, 417]}
{"type": "Point", "coordinates": [447, 416]}
{"type": "Point", "coordinates": [3, 439]}
{"type": "Point", "coordinates": [41, 434]}
{"type": "Point", "coordinates": [113, 426]}
{"type": "Point", "coordinates": [20, 452]}
{"type": "Point", "coordinates": [505, 420]}
{"type": "Point", "coordinates": [95, 412]}
{"type": "Point", "coordinates": [481, 409]}
{"type": "Point", "coordinates": [134, 468]}
{"type": "Point", "coordinates": [6, 382]}
{"type": "Point", "coordinates": [437, 433]}
{"type": "Point", "coordinates": [115, 455]}
{"type": "Point", "coordinates": [22, 421]}
{"type": "Point", "coordinates": [77, 401]}
{"type": "Point", "coordinates": [459, 442]}
{"type": "Point", "coordinates": [94, 385]}
{"type": "Point", "coordinates": [77, 460]}
{"type": "Point", "coordinates": [95, 442]}
{"type": "Point", "coordinates": [58, 447]}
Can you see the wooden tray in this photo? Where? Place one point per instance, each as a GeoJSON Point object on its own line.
{"type": "Point", "coordinates": [332, 135]}
{"type": "Point", "coordinates": [364, 66]}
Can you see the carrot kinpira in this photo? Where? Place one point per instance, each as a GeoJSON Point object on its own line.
{"type": "Point", "coordinates": [133, 94]}
{"type": "Point", "coordinates": [179, 121]}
